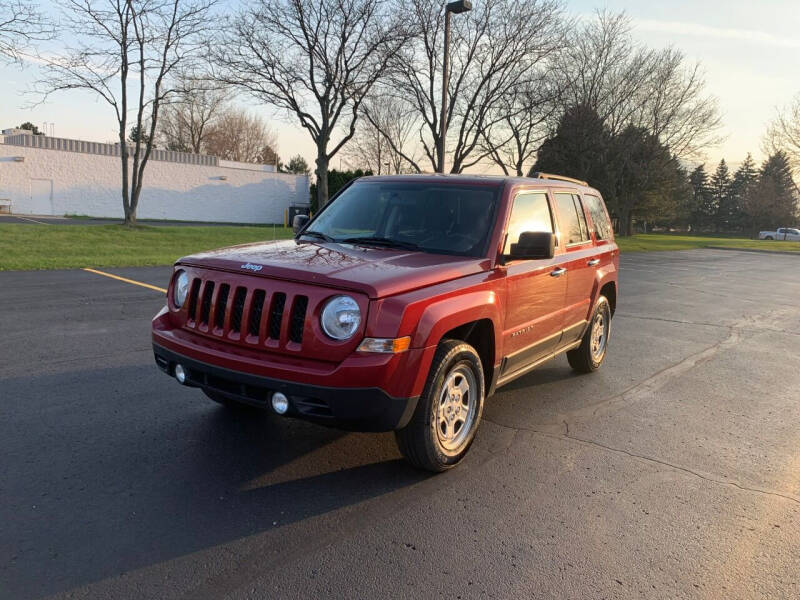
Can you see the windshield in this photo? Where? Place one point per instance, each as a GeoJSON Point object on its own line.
{"type": "Point", "coordinates": [428, 216]}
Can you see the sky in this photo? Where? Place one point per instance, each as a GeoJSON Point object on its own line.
{"type": "Point", "coordinates": [750, 53]}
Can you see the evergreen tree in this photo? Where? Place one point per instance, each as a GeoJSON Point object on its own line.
{"type": "Point", "coordinates": [28, 126]}
{"type": "Point", "coordinates": [681, 194]}
{"type": "Point", "coordinates": [744, 180]}
{"type": "Point", "coordinates": [702, 207]}
{"type": "Point", "coordinates": [637, 175]}
{"type": "Point", "coordinates": [772, 202]}
{"type": "Point", "coordinates": [578, 149]}
{"type": "Point", "coordinates": [645, 177]}
{"type": "Point", "coordinates": [135, 135]}
{"type": "Point", "coordinates": [720, 190]}
{"type": "Point", "coordinates": [298, 165]}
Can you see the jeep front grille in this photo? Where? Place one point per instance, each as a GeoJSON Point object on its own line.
{"type": "Point", "coordinates": [276, 315]}
{"type": "Point", "coordinates": [254, 315]}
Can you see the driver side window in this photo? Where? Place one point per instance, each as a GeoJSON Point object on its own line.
{"type": "Point", "coordinates": [530, 212]}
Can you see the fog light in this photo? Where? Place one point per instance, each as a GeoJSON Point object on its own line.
{"type": "Point", "coordinates": [280, 403]}
{"type": "Point", "coordinates": [180, 373]}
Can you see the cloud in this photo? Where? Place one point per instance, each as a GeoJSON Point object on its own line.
{"type": "Point", "coordinates": [695, 29]}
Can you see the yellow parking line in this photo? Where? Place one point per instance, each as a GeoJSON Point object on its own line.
{"type": "Point", "coordinates": [117, 277]}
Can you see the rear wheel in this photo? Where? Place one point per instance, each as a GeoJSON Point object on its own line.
{"type": "Point", "coordinates": [769, 237]}
{"type": "Point", "coordinates": [588, 357]}
{"type": "Point", "coordinates": [448, 412]}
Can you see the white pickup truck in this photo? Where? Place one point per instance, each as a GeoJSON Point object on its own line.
{"type": "Point", "coordinates": [783, 233]}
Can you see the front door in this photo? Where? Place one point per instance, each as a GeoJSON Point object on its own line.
{"type": "Point", "coordinates": [535, 289]}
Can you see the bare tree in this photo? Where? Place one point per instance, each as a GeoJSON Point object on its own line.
{"type": "Point", "coordinates": [783, 133]}
{"type": "Point", "coordinates": [524, 119]}
{"type": "Point", "coordinates": [496, 47]}
{"type": "Point", "coordinates": [21, 24]}
{"type": "Point", "coordinates": [314, 60]}
{"type": "Point", "coordinates": [189, 116]}
{"type": "Point", "coordinates": [629, 84]}
{"type": "Point", "coordinates": [237, 135]}
{"type": "Point", "coordinates": [675, 107]}
{"type": "Point", "coordinates": [126, 52]}
{"type": "Point", "coordinates": [383, 136]}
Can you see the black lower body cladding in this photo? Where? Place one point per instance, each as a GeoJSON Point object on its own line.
{"type": "Point", "coordinates": [353, 409]}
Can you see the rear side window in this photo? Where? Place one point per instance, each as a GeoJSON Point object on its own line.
{"type": "Point", "coordinates": [571, 219]}
{"type": "Point", "coordinates": [602, 227]}
{"type": "Point", "coordinates": [530, 212]}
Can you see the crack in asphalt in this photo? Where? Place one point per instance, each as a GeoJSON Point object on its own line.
{"type": "Point", "coordinates": [705, 324]}
{"type": "Point", "coordinates": [665, 320]}
{"type": "Point", "coordinates": [659, 379]}
{"type": "Point", "coordinates": [652, 384]}
{"type": "Point", "coordinates": [650, 459]}
{"type": "Point", "coordinates": [737, 297]}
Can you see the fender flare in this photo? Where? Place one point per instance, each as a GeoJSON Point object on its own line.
{"type": "Point", "coordinates": [449, 313]}
{"type": "Point", "coordinates": [607, 274]}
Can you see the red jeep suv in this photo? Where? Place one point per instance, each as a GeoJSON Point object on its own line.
{"type": "Point", "coordinates": [402, 305]}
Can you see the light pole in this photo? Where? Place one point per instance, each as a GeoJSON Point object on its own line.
{"type": "Point", "coordinates": [457, 7]}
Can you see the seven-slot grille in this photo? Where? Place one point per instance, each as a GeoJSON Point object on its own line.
{"type": "Point", "coordinates": [242, 313]}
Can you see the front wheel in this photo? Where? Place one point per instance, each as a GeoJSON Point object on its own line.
{"type": "Point", "coordinates": [448, 412]}
{"type": "Point", "coordinates": [769, 237]}
{"type": "Point", "coordinates": [588, 357]}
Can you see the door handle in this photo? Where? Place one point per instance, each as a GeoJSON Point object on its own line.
{"type": "Point", "coordinates": [558, 272]}
{"type": "Point", "coordinates": [593, 262]}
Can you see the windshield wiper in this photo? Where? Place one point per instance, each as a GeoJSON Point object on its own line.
{"type": "Point", "coordinates": [379, 241]}
{"type": "Point", "coordinates": [319, 235]}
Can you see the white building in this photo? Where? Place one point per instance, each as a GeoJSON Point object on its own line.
{"type": "Point", "coordinates": [41, 175]}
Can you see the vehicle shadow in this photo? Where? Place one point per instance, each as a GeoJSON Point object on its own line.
{"type": "Point", "coordinates": [154, 472]}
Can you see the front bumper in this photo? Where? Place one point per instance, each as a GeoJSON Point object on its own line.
{"type": "Point", "coordinates": [357, 409]}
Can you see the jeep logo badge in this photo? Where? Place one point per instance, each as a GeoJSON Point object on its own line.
{"type": "Point", "coordinates": [250, 267]}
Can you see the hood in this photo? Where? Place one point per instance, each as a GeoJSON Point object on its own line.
{"type": "Point", "coordinates": [377, 272]}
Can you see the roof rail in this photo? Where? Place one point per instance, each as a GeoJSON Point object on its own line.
{"type": "Point", "coordinates": [539, 175]}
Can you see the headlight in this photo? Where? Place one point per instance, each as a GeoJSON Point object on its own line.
{"type": "Point", "coordinates": [341, 317]}
{"type": "Point", "coordinates": [181, 288]}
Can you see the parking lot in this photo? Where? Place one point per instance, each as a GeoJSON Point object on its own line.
{"type": "Point", "coordinates": [672, 472]}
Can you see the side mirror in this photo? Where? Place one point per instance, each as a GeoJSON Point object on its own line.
{"type": "Point", "coordinates": [299, 222]}
{"type": "Point", "coordinates": [534, 244]}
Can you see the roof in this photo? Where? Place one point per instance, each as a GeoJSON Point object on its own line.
{"type": "Point", "coordinates": [552, 181]}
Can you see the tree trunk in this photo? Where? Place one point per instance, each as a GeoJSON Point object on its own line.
{"type": "Point", "coordinates": [130, 213]}
{"type": "Point", "coordinates": [625, 222]}
{"type": "Point", "coordinates": [130, 216]}
{"type": "Point", "coordinates": [135, 193]}
{"type": "Point", "coordinates": [322, 179]}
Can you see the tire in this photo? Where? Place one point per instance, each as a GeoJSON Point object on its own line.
{"type": "Point", "coordinates": [588, 357]}
{"type": "Point", "coordinates": [769, 237]}
{"type": "Point", "coordinates": [424, 441]}
{"type": "Point", "coordinates": [227, 401]}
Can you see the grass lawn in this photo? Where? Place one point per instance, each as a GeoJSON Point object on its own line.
{"type": "Point", "coordinates": [30, 246]}
{"type": "Point", "coordinates": [666, 241]}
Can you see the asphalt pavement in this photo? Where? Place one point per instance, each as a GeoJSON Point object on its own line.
{"type": "Point", "coordinates": [673, 472]}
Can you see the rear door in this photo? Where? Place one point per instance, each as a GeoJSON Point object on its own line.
{"type": "Point", "coordinates": [579, 262]}
{"type": "Point", "coordinates": [536, 289]}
